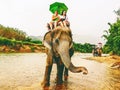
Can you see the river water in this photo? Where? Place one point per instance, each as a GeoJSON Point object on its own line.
{"type": "Point", "coordinates": [25, 71]}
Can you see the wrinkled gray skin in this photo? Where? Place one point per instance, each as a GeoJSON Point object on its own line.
{"type": "Point", "coordinates": [59, 45]}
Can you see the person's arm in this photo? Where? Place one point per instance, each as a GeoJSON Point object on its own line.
{"type": "Point", "coordinates": [55, 17]}
{"type": "Point", "coordinates": [58, 18]}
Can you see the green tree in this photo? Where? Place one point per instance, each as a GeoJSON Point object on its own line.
{"type": "Point", "coordinates": [113, 38]}
{"type": "Point", "coordinates": [117, 12]}
{"type": "Point", "coordinates": [84, 48]}
{"type": "Point", "coordinates": [12, 33]}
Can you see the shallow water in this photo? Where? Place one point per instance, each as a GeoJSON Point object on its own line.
{"type": "Point", "coordinates": [26, 71]}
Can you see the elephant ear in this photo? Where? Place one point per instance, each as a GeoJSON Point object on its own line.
{"type": "Point", "coordinates": [47, 41]}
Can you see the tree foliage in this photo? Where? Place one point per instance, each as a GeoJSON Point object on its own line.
{"type": "Point", "coordinates": [117, 12]}
{"type": "Point", "coordinates": [12, 33]}
{"type": "Point", "coordinates": [113, 38]}
{"type": "Point", "coordinates": [84, 48]}
{"type": "Point", "coordinates": [12, 37]}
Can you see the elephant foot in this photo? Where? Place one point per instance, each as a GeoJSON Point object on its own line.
{"type": "Point", "coordinates": [60, 87]}
{"type": "Point", "coordinates": [46, 88]}
{"type": "Point", "coordinates": [65, 77]}
{"type": "Point", "coordinates": [59, 83]}
{"type": "Point", "coordinates": [45, 84]}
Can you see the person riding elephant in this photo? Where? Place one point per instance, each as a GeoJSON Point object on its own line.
{"type": "Point", "coordinates": [59, 45]}
{"type": "Point", "coordinates": [97, 51]}
{"type": "Point", "coordinates": [54, 21]}
{"type": "Point", "coordinates": [64, 19]}
{"type": "Point", "coordinates": [57, 20]}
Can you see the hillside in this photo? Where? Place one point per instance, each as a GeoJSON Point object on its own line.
{"type": "Point", "coordinates": [76, 38]}
{"type": "Point", "coordinates": [36, 37]}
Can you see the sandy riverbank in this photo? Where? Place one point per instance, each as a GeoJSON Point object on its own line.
{"type": "Point", "coordinates": [22, 49]}
{"type": "Point", "coordinates": [109, 60]}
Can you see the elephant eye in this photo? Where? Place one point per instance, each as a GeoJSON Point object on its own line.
{"type": "Point", "coordinates": [57, 41]}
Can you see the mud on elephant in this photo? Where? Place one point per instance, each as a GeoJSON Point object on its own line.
{"type": "Point", "coordinates": [59, 45]}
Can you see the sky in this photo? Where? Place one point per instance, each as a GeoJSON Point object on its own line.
{"type": "Point", "coordinates": [88, 18]}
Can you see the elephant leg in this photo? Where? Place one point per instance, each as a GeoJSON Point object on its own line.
{"type": "Point", "coordinates": [66, 74]}
{"type": "Point", "coordinates": [60, 67]}
{"type": "Point", "coordinates": [46, 81]}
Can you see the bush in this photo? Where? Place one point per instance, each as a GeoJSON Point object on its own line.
{"type": "Point", "coordinates": [84, 48]}
{"type": "Point", "coordinates": [113, 38]}
{"type": "Point", "coordinates": [36, 41]}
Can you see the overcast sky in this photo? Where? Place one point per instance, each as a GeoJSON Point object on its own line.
{"type": "Point", "coordinates": [88, 18]}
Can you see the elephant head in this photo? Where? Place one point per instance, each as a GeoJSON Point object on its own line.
{"type": "Point", "coordinates": [59, 41]}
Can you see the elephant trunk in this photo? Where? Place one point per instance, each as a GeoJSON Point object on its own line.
{"type": "Point", "coordinates": [65, 57]}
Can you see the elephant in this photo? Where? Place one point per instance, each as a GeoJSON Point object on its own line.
{"type": "Point", "coordinates": [97, 52]}
{"type": "Point", "coordinates": [59, 47]}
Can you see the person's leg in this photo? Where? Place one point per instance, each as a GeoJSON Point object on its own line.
{"type": "Point", "coordinates": [51, 25]}
{"type": "Point", "coordinates": [64, 23]}
{"type": "Point", "coordinates": [61, 24]}
{"type": "Point", "coordinates": [67, 23]}
{"type": "Point", "coordinates": [55, 24]}
{"type": "Point", "coordinates": [48, 26]}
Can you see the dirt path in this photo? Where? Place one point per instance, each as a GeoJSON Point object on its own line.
{"type": "Point", "coordinates": [25, 72]}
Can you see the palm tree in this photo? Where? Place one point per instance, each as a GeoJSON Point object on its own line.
{"type": "Point", "coordinates": [117, 13]}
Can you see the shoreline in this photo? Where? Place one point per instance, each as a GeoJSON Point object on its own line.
{"type": "Point", "coordinates": [22, 49]}
{"type": "Point", "coordinates": [109, 60]}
